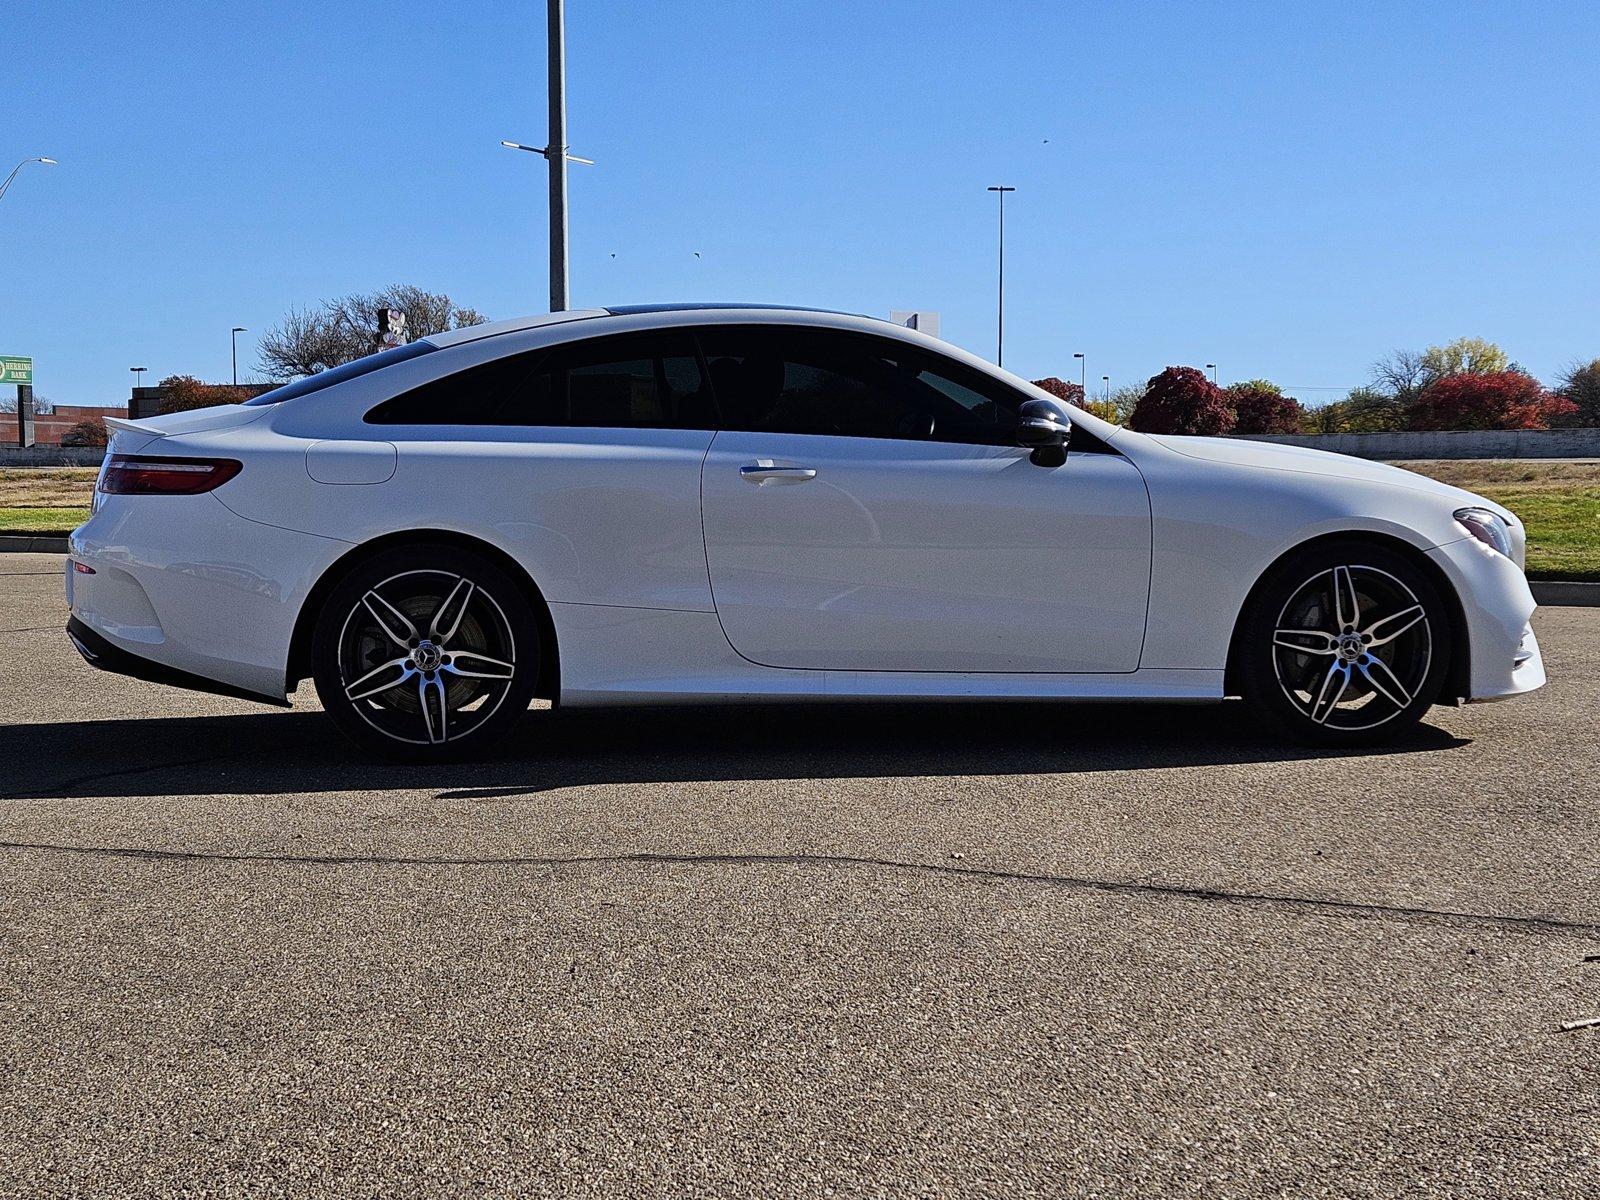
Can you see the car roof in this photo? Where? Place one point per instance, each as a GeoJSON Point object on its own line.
{"type": "Point", "coordinates": [634, 310]}
{"type": "Point", "coordinates": [473, 333]}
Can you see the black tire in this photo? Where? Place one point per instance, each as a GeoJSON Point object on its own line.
{"type": "Point", "coordinates": [1322, 678]}
{"type": "Point", "coordinates": [463, 672]}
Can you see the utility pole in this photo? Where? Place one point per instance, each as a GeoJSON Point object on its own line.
{"type": "Point", "coordinates": [1000, 318]}
{"type": "Point", "coordinates": [556, 156]}
{"type": "Point", "coordinates": [234, 337]}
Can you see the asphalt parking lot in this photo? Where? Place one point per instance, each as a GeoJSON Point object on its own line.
{"type": "Point", "coordinates": [936, 949]}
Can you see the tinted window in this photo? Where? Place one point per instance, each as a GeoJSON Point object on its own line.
{"type": "Point", "coordinates": [805, 381]}
{"type": "Point", "coordinates": [349, 370]}
{"type": "Point", "coordinates": [645, 382]}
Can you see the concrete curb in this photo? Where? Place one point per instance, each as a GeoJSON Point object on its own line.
{"type": "Point", "coordinates": [1556, 593]}
{"type": "Point", "coordinates": [1565, 593]}
{"type": "Point", "coordinates": [44, 543]}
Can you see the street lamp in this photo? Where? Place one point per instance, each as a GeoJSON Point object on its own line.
{"type": "Point", "coordinates": [234, 337]}
{"type": "Point", "coordinates": [1106, 380]}
{"type": "Point", "coordinates": [138, 375]}
{"type": "Point", "coordinates": [1083, 377]}
{"type": "Point", "coordinates": [543, 151]}
{"type": "Point", "coordinates": [1212, 367]}
{"type": "Point", "coordinates": [1000, 316]}
{"type": "Point", "coordinates": [558, 197]}
{"type": "Point", "coordinates": [555, 153]}
{"type": "Point", "coordinates": [49, 162]}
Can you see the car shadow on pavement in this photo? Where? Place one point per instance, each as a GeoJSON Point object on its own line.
{"type": "Point", "coordinates": [300, 752]}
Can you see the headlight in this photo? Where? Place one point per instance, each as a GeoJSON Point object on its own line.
{"type": "Point", "coordinates": [1488, 527]}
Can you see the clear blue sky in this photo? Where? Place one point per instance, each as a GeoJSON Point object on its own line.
{"type": "Point", "coordinates": [1287, 190]}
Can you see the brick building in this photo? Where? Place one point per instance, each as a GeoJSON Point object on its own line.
{"type": "Point", "coordinates": [50, 428]}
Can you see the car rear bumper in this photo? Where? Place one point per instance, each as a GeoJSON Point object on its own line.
{"type": "Point", "coordinates": [192, 590]}
{"type": "Point", "coordinates": [100, 653]}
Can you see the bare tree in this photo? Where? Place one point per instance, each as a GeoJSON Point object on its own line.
{"type": "Point", "coordinates": [1580, 383]}
{"type": "Point", "coordinates": [1401, 375]}
{"type": "Point", "coordinates": [42, 406]}
{"type": "Point", "coordinates": [307, 341]}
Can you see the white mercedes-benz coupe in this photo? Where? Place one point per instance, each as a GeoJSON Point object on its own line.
{"type": "Point", "coordinates": [690, 503]}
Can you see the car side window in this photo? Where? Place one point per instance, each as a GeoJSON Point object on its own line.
{"type": "Point", "coordinates": [778, 380]}
{"type": "Point", "coordinates": [629, 382]}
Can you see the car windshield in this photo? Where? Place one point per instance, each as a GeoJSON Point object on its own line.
{"type": "Point", "coordinates": [349, 370]}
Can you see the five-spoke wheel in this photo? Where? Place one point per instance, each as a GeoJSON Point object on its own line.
{"type": "Point", "coordinates": [1345, 643]}
{"type": "Point", "coordinates": [424, 650]}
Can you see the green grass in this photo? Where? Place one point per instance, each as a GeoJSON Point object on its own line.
{"type": "Point", "coordinates": [1563, 530]}
{"type": "Point", "coordinates": [42, 520]}
{"type": "Point", "coordinates": [1559, 502]}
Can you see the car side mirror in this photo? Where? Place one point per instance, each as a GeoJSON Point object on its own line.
{"type": "Point", "coordinates": [1043, 424]}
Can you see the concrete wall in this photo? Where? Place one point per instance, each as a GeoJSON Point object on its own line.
{"type": "Point", "coordinates": [1473, 443]}
{"type": "Point", "coordinates": [52, 456]}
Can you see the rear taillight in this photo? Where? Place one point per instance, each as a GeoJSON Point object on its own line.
{"type": "Point", "coordinates": [146, 475]}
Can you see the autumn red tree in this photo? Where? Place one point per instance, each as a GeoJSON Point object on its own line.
{"type": "Point", "coordinates": [1072, 393]}
{"type": "Point", "coordinates": [1501, 400]}
{"type": "Point", "coordinates": [1182, 400]}
{"type": "Point", "coordinates": [184, 392]}
{"type": "Point", "coordinates": [1261, 407]}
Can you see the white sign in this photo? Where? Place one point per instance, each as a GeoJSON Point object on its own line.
{"type": "Point", "coordinates": [922, 322]}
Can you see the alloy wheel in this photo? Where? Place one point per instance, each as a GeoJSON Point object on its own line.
{"type": "Point", "coordinates": [426, 656]}
{"type": "Point", "coordinates": [1352, 647]}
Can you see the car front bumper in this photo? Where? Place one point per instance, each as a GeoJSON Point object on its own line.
{"type": "Point", "coordinates": [1503, 653]}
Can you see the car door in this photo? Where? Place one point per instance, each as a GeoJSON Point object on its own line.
{"type": "Point", "coordinates": [866, 509]}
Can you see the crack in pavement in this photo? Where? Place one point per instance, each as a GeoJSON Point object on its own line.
{"type": "Point", "coordinates": [55, 789]}
{"type": "Point", "coordinates": [1306, 904]}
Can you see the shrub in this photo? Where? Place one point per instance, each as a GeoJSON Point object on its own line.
{"type": "Point", "coordinates": [1182, 400]}
{"type": "Point", "coordinates": [1501, 400]}
{"type": "Point", "coordinates": [185, 392]}
{"type": "Point", "coordinates": [1261, 407]}
{"type": "Point", "coordinates": [91, 431]}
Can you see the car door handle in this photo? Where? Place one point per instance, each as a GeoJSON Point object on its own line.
{"type": "Point", "coordinates": [766, 471]}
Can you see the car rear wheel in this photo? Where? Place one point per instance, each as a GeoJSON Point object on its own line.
{"type": "Point", "coordinates": [1345, 644]}
{"type": "Point", "coordinates": [426, 652]}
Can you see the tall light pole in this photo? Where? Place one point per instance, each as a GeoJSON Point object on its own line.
{"type": "Point", "coordinates": [138, 375]}
{"type": "Point", "coordinates": [1083, 375]}
{"type": "Point", "coordinates": [237, 330]}
{"type": "Point", "coordinates": [1106, 381]}
{"type": "Point", "coordinates": [1000, 317]}
{"type": "Point", "coordinates": [555, 153]}
{"type": "Point", "coordinates": [49, 162]}
{"type": "Point", "coordinates": [1212, 367]}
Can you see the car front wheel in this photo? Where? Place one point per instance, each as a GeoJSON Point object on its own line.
{"type": "Point", "coordinates": [426, 652]}
{"type": "Point", "coordinates": [1345, 644]}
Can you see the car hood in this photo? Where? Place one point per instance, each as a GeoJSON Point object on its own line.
{"type": "Point", "coordinates": [1275, 456]}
